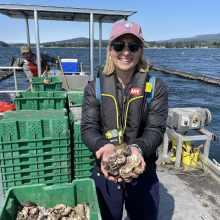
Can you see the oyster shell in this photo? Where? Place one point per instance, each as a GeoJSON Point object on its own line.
{"type": "Point", "coordinates": [20, 216]}
{"type": "Point", "coordinates": [28, 204]}
{"type": "Point", "coordinates": [127, 151]}
{"type": "Point", "coordinates": [106, 166]}
{"type": "Point", "coordinates": [112, 160]}
{"type": "Point", "coordinates": [34, 211]}
{"type": "Point", "coordinates": [138, 170]}
{"type": "Point", "coordinates": [134, 160]}
{"type": "Point", "coordinates": [120, 148]}
{"type": "Point", "coordinates": [80, 210]}
{"type": "Point", "coordinates": [87, 210]}
{"type": "Point", "coordinates": [41, 208]}
{"type": "Point", "coordinates": [66, 211]}
{"type": "Point", "coordinates": [32, 217]}
{"type": "Point", "coordinates": [121, 160]}
{"type": "Point", "coordinates": [126, 171]}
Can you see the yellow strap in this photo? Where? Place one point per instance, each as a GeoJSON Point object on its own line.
{"type": "Point", "coordinates": [127, 110]}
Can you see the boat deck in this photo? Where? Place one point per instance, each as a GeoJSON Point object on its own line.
{"type": "Point", "coordinates": [183, 197]}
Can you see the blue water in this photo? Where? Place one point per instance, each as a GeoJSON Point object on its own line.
{"type": "Point", "coordinates": [182, 92]}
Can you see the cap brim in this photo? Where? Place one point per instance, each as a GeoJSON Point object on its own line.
{"type": "Point", "coordinates": [118, 35]}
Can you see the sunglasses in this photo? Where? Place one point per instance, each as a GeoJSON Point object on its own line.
{"type": "Point", "coordinates": [119, 46]}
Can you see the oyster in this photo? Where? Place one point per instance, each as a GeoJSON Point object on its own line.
{"type": "Point", "coordinates": [106, 166]}
{"type": "Point", "coordinates": [28, 204]}
{"type": "Point", "coordinates": [41, 208]}
{"type": "Point", "coordinates": [20, 216]}
{"type": "Point", "coordinates": [115, 173]}
{"type": "Point", "coordinates": [120, 148]}
{"type": "Point", "coordinates": [127, 151]}
{"type": "Point", "coordinates": [33, 211]}
{"type": "Point", "coordinates": [138, 170]}
{"type": "Point", "coordinates": [121, 160]}
{"type": "Point", "coordinates": [112, 160]}
{"type": "Point", "coordinates": [80, 210]}
{"type": "Point", "coordinates": [134, 160]}
{"type": "Point", "coordinates": [87, 210]}
{"type": "Point", "coordinates": [60, 207]}
{"type": "Point", "coordinates": [48, 211]}
{"type": "Point", "coordinates": [126, 171]}
{"type": "Point", "coordinates": [32, 217]}
{"type": "Point", "coordinates": [25, 213]}
{"type": "Point", "coordinates": [66, 211]}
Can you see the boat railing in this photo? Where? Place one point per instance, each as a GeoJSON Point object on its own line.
{"type": "Point", "coordinates": [15, 78]}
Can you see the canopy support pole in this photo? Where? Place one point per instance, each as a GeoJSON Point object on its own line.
{"type": "Point", "coordinates": [37, 42]}
{"type": "Point", "coordinates": [27, 32]}
{"type": "Point", "coordinates": [91, 36]}
{"type": "Point", "coordinates": [100, 43]}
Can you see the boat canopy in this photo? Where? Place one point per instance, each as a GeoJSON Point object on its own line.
{"type": "Point", "coordinates": [37, 12]}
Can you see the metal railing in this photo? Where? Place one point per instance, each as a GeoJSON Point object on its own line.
{"type": "Point", "coordinates": [15, 79]}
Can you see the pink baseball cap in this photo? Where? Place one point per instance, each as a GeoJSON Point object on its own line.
{"type": "Point", "coordinates": [126, 27]}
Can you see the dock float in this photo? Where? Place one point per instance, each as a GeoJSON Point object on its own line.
{"type": "Point", "coordinates": [201, 77]}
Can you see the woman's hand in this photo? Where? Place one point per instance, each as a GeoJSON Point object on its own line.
{"type": "Point", "coordinates": [135, 150]}
{"type": "Point", "coordinates": [105, 152]}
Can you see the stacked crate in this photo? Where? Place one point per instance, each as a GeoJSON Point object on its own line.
{"type": "Point", "coordinates": [35, 148]}
{"type": "Point", "coordinates": [40, 100]}
{"type": "Point", "coordinates": [82, 156]}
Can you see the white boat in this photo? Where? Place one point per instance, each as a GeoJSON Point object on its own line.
{"type": "Point", "coordinates": [179, 198]}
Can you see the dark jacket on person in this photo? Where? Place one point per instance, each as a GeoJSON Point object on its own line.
{"type": "Point", "coordinates": [151, 117]}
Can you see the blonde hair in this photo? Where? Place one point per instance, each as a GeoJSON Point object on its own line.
{"type": "Point", "coordinates": [142, 65]}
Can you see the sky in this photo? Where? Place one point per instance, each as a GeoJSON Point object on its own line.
{"type": "Point", "coordinates": [159, 19]}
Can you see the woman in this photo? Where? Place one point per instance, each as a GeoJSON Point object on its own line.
{"type": "Point", "coordinates": [124, 115]}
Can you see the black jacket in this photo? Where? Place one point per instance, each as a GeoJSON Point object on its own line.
{"type": "Point", "coordinates": [153, 124]}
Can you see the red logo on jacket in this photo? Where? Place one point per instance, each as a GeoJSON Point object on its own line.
{"type": "Point", "coordinates": [135, 91]}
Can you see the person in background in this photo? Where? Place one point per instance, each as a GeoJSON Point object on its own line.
{"type": "Point", "coordinates": [30, 62]}
{"type": "Point", "coordinates": [126, 113]}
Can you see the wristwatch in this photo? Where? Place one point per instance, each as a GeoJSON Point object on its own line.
{"type": "Point", "coordinates": [135, 145]}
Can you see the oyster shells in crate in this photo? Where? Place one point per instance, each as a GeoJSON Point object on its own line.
{"type": "Point", "coordinates": [29, 211]}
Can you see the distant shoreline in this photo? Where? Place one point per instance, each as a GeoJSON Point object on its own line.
{"type": "Point", "coordinates": [105, 48]}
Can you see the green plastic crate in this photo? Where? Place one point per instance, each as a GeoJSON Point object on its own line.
{"type": "Point", "coordinates": [40, 100]}
{"type": "Point", "coordinates": [14, 130]}
{"type": "Point", "coordinates": [77, 192]}
{"type": "Point", "coordinates": [82, 156]}
{"type": "Point", "coordinates": [75, 99]}
{"type": "Point", "coordinates": [25, 114]}
{"type": "Point", "coordinates": [38, 84]}
{"type": "Point", "coordinates": [34, 150]}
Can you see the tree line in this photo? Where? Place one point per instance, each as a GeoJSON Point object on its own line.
{"type": "Point", "coordinates": [3, 44]}
{"type": "Point", "coordinates": [151, 44]}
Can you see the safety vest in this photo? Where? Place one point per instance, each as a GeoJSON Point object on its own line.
{"type": "Point", "coordinates": [34, 68]}
{"type": "Point", "coordinates": [140, 94]}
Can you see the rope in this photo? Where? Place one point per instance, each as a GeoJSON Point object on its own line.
{"type": "Point", "coordinates": [173, 171]}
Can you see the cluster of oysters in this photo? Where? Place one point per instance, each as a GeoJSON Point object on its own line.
{"type": "Point", "coordinates": [122, 163]}
{"type": "Point", "coordinates": [30, 211]}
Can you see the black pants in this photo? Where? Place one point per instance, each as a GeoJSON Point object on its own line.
{"type": "Point", "coordinates": [141, 197]}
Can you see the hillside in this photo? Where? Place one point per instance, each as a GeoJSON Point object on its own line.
{"type": "Point", "coordinates": [79, 40]}
{"type": "Point", "coordinates": [206, 37]}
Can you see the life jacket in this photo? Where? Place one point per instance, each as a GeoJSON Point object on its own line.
{"type": "Point", "coordinates": [34, 68]}
{"type": "Point", "coordinates": [106, 91]}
